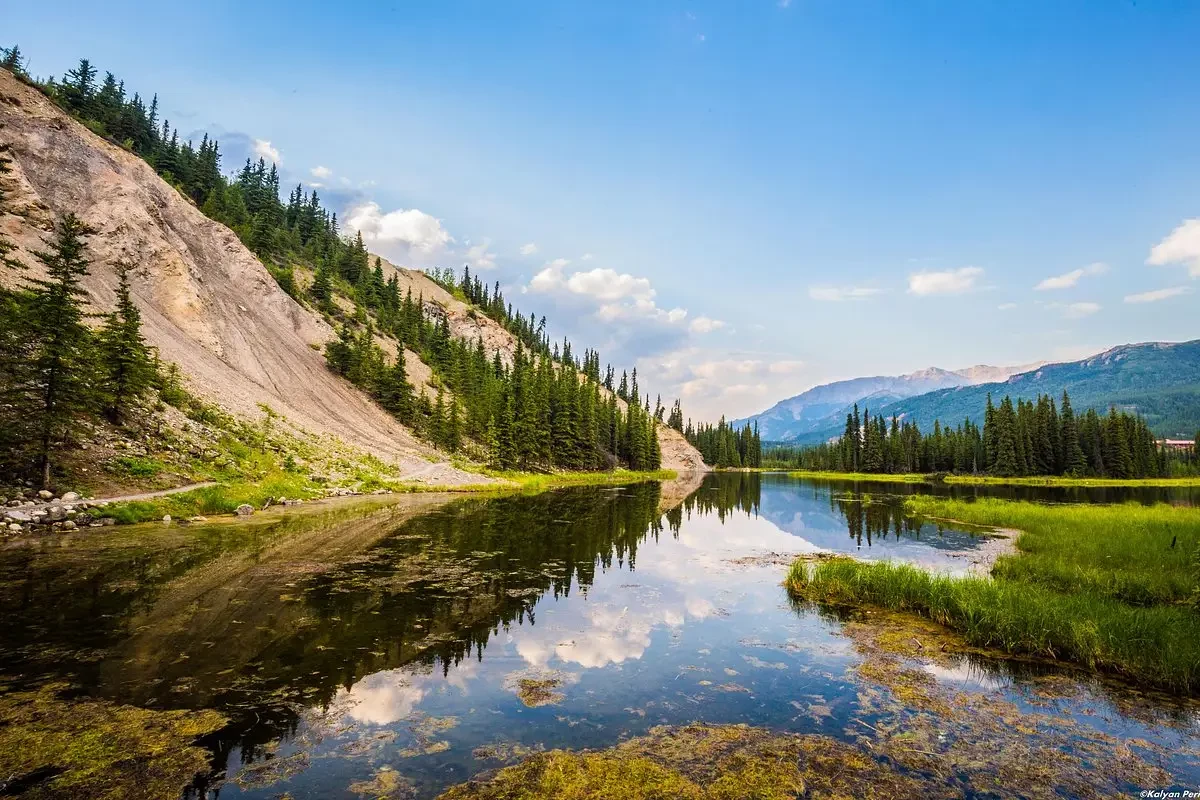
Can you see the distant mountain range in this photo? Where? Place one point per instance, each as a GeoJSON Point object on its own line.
{"type": "Point", "coordinates": [820, 408]}
{"type": "Point", "coordinates": [1159, 380]}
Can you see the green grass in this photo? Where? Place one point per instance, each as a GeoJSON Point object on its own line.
{"type": "Point", "coordinates": [1119, 551]}
{"type": "Point", "coordinates": [989, 480]}
{"type": "Point", "coordinates": [881, 477]}
{"type": "Point", "coordinates": [138, 467]}
{"type": "Point", "coordinates": [1101, 586]}
{"type": "Point", "coordinates": [539, 482]}
{"type": "Point", "coordinates": [221, 499]}
{"type": "Point", "coordinates": [1157, 646]}
{"type": "Point", "coordinates": [1057, 480]}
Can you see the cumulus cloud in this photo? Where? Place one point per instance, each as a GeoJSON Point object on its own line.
{"type": "Point", "coordinates": [619, 295]}
{"type": "Point", "coordinates": [1069, 279]}
{"type": "Point", "coordinates": [705, 325]}
{"type": "Point", "coordinates": [1075, 310]}
{"type": "Point", "coordinates": [951, 281]}
{"type": "Point", "coordinates": [321, 173]}
{"type": "Point", "coordinates": [836, 294]}
{"type": "Point", "coordinates": [1182, 246]}
{"type": "Point", "coordinates": [1158, 294]}
{"type": "Point", "coordinates": [1006, 306]}
{"type": "Point", "coordinates": [529, 249]}
{"type": "Point", "coordinates": [416, 232]}
{"type": "Point", "coordinates": [479, 256]}
{"type": "Point", "coordinates": [264, 149]}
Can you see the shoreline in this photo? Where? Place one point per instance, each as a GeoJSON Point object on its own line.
{"type": "Point", "coordinates": [992, 480]}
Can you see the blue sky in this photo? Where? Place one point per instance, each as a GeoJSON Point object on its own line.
{"type": "Point", "coordinates": [743, 199]}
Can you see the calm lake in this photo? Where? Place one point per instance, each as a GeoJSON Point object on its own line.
{"type": "Point", "coordinates": [444, 637]}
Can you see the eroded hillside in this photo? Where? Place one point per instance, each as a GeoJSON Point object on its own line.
{"type": "Point", "coordinates": [208, 304]}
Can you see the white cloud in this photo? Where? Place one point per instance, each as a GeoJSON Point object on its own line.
{"type": "Point", "coordinates": [836, 294]}
{"type": "Point", "coordinates": [951, 281]}
{"type": "Point", "coordinates": [784, 3]}
{"type": "Point", "coordinates": [619, 295]}
{"type": "Point", "coordinates": [412, 228]}
{"type": "Point", "coordinates": [1182, 246]}
{"type": "Point", "coordinates": [705, 325]}
{"type": "Point", "coordinates": [1158, 294]}
{"type": "Point", "coordinates": [479, 256]}
{"type": "Point", "coordinates": [1075, 310]}
{"type": "Point", "coordinates": [1069, 279]}
{"type": "Point", "coordinates": [586, 257]}
{"type": "Point", "coordinates": [321, 173]}
{"type": "Point", "coordinates": [264, 149]}
{"type": "Point", "coordinates": [529, 249]}
{"type": "Point", "coordinates": [1006, 306]}
{"type": "Point", "coordinates": [701, 38]}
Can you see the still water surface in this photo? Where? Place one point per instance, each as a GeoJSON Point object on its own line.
{"type": "Point", "coordinates": [399, 637]}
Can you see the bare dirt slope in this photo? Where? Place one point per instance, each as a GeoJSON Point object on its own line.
{"type": "Point", "coordinates": [677, 453]}
{"type": "Point", "coordinates": [208, 304]}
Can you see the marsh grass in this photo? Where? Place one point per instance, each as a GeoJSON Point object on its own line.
{"type": "Point", "coordinates": [1139, 554]}
{"type": "Point", "coordinates": [1100, 586]}
{"type": "Point", "coordinates": [1157, 646]}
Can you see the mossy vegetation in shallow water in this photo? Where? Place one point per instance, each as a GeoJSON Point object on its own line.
{"type": "Point", "coordinates": [927, 704]}
{"type": "Point", "coordinates": [534, 692]}
{"type": "Point", "coordinates": [700, 762]}
{"type": "Point", "coordinates": [54, 747]}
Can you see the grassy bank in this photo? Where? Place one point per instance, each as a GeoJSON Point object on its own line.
{"type": "Point", "coordinates": [225, 498]}
{"type": "Point", "coordinates": [827, 475]}
{"type": "Point", "coordinates": [989, 480]}
{"type": "Point", "coordinates": [1110, 588]}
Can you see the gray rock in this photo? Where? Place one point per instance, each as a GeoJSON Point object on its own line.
{"type": "Point", "coordinates": [70, 497]}
{"type": "Point", "coordinates": [245, 510]}
{"type": "Point", "coordinates": [56, 514]}
{"type": "Point", "coordinates": [45, 495]}
{"type": "Point", "coordinates": [108, 521]}
{"type": "Point", "coordinates": [166, 519]}
{"type": "Point", "coordinates": [18, 516]}
{"type": "Point", "coordinates": [68, 525]}
{"type": "Point", "coordinates": [15, 527]}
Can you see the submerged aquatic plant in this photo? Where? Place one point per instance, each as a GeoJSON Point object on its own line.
{"type": "Point", "coordinates": [52, 746]}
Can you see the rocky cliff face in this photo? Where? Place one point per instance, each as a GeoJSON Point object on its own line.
{"type": "Point", "coordinates": [208, 303]}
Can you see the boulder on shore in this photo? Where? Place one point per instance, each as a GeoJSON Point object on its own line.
{"type": "Point", "coordinates": [245, 510]}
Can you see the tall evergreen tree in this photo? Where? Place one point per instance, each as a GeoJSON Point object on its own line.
{"type": "Point", "coordinates": [61, 387]}
{"type": "Point", "coordinates": [124, 358]}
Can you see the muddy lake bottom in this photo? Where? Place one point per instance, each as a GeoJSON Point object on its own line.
{"type": "Point", "coordinates": [400, 650]}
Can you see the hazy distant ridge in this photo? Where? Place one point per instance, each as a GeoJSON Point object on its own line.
{"type": "Point", "coordinates": [825, 406]}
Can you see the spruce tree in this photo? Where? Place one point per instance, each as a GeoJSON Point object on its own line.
{"type": "Point", "coordinates": [1073, 462]}
{"type": "Point", "coordinates": [124, 358]}
{"type": "Point", "coordinates": [62, 370]}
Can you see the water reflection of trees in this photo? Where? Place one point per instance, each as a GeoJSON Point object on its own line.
{"type": "Point", "coordinates": [722, 494]}
{"type": "Point", "coordinates": [261, 624]}
{"type": "Point", "coordinates": [868, 520]}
